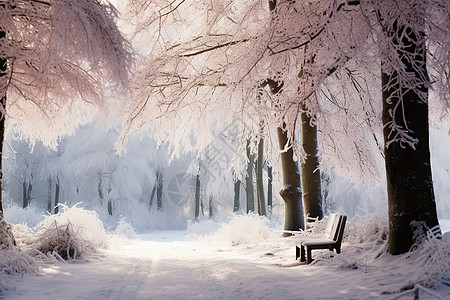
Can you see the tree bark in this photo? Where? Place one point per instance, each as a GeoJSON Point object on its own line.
{"type": "Point", "coordinates": [6, 236]}
{"type": "Point", "coordinates": [259, 179]}
{"type": "Point", "coordinates": [24, 194]}
{"type": "Point", "coordinates": [269, 188]}
{"type": "Point", "coordinates": [3, 85]}
{"type": "Point", "coordinates": [291, 190]}
{"type": "Point", "coordinates": [159, 189]}
{"type": "Point", "coordinates": [197, 196]}
{"type": "Point", "coordinates": [210, 206]}
{"type": "Point", "coordinates": [110, 207]}
{"type": "Point", "coordinates": [237, 192]}
{"type": "Point", "coordinates": [411, 201]}
{"type": "Point", "coordinates": [57, 196]}
{"type": "Point", "coordinates": [249, 180]}
{"type": "Point", "coordinates": [311, 184]}
{"type": "Point", "coordinates": [49, 195]}
{"type": "Point", "coordinates": [152, 196]}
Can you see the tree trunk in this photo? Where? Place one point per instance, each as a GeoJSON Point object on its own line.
{"type": "Point", "coordinates": [237, 192]}
{"type": "Point", "coordinates": [57, 196]}
{"type": "Point", "coordinates": [197, 196]}
{"type": "Point", "coordinates": [24, 194]}
{"type": "Point", "coordinates": [100, 189]}
{"type": "Point", "coordinates": [269, 188]}
{"type": "Point", "coordinates": [152, 196]}
{"type": "Point", "coordinates": [210, 206]}
{"type": "Point", "coordinates": [249, 180]}
{"type": "Point", "coordinates": [259, 179]}
{"type": "Point", "coordinates": [49, 195]}
{"type": "Point", "coordinates": [291, 190]}
{"type": "Point", "coordinates": [110, 207]}
{"type": "Point", "coordinates": [311, 188]}
{"type": "Point", "coordinates": [3, 85]}
{"type": "Point", "coordinates": [411, 201]}
{"type": "Point", "coordinates": [159, 189]}
{"type": "Point", "coordinates": [30, 188]}
{"type": "Point", "coordinates": [6, 236]}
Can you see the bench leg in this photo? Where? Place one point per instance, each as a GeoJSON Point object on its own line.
{"type": "Point", "coordinates": [302, 253]}
{"type": "Point", "coordinates": [309, 256]}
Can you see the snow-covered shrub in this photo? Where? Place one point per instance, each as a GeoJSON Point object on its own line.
{"type": "Point", "coordinates": [243, 229]}
{"type": "Point", "coordinates": [435, 252]}
{"type": "Point", "coordinates": [12, 260]}
{"type": "Point", "coordinates": [315, 226]}
{"type": "Point", "coordinates": [125, 229]}
{"type": "Point", "coordinates": [6, 235]}
{"type": "Point", "coordinates": [62, 242]}
{"type": "Point", "coordinates": [373, 228]}
{"type": "Point", "coordinates": [85, 223]}
{"type": "Point", "coordinates": [72, 233]}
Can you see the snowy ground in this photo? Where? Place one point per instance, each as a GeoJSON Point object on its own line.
{"type": "Point", "coordinates": [241, 259]}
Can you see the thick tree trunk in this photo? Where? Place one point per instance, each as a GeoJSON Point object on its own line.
{"type": "Point", "coordinates": [411, 201]}
{"type": "Point", "coordinates": [259, 179]}
{"type": "Point", "coordinates": [249, 180]}
{"type": "Point", "coordinates": [311, 187]}
{"type": "Point", "coordinates": [291, 191]}
{"type": "Point", "coordinates": [6, 235]}
{"type": "Point", "coordinates": [3, 85]}
{"type": "Point", "coordinates": [237, 192]}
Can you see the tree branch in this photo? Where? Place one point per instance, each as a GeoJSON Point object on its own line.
{"type": "Point", "coordinates": [314, 36]}
{"type": "Point", "coordinates": [231, 43]}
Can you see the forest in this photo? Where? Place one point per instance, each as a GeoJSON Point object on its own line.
{"type": "Point", "coordinates": [148, 132]}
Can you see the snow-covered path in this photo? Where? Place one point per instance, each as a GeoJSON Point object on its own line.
{"type": "Point", "coordinates": [162, 270]}
{"type": "Point", "coordinates": [164, 265]}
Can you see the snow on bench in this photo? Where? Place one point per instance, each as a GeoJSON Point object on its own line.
{"type": "Point", "coordinates": [331, 240]}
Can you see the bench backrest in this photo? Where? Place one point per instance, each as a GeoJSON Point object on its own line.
{"type": "Point", "coordinates": [329, 227]}
{"type": "Point", "coordinates": [335, 227]}
{"type": "Point", "coordinates": [340, 231]}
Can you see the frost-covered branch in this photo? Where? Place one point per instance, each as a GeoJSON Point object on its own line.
{"type": "Point", "coordinates": [190, 60]}
{"type": "Point", "coordinates": [58, 52]}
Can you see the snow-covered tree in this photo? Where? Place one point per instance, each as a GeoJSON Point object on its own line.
{"type": "Point", "coordinates": [53, 53]}
{"type": "Point", "coordinates": [220, 60]}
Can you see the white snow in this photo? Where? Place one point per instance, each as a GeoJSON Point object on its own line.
{"type": "Point", "coordinates": [243, 257]}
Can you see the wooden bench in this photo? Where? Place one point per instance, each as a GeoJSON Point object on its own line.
{"type": "Point", "coordinates": [332, 239]}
